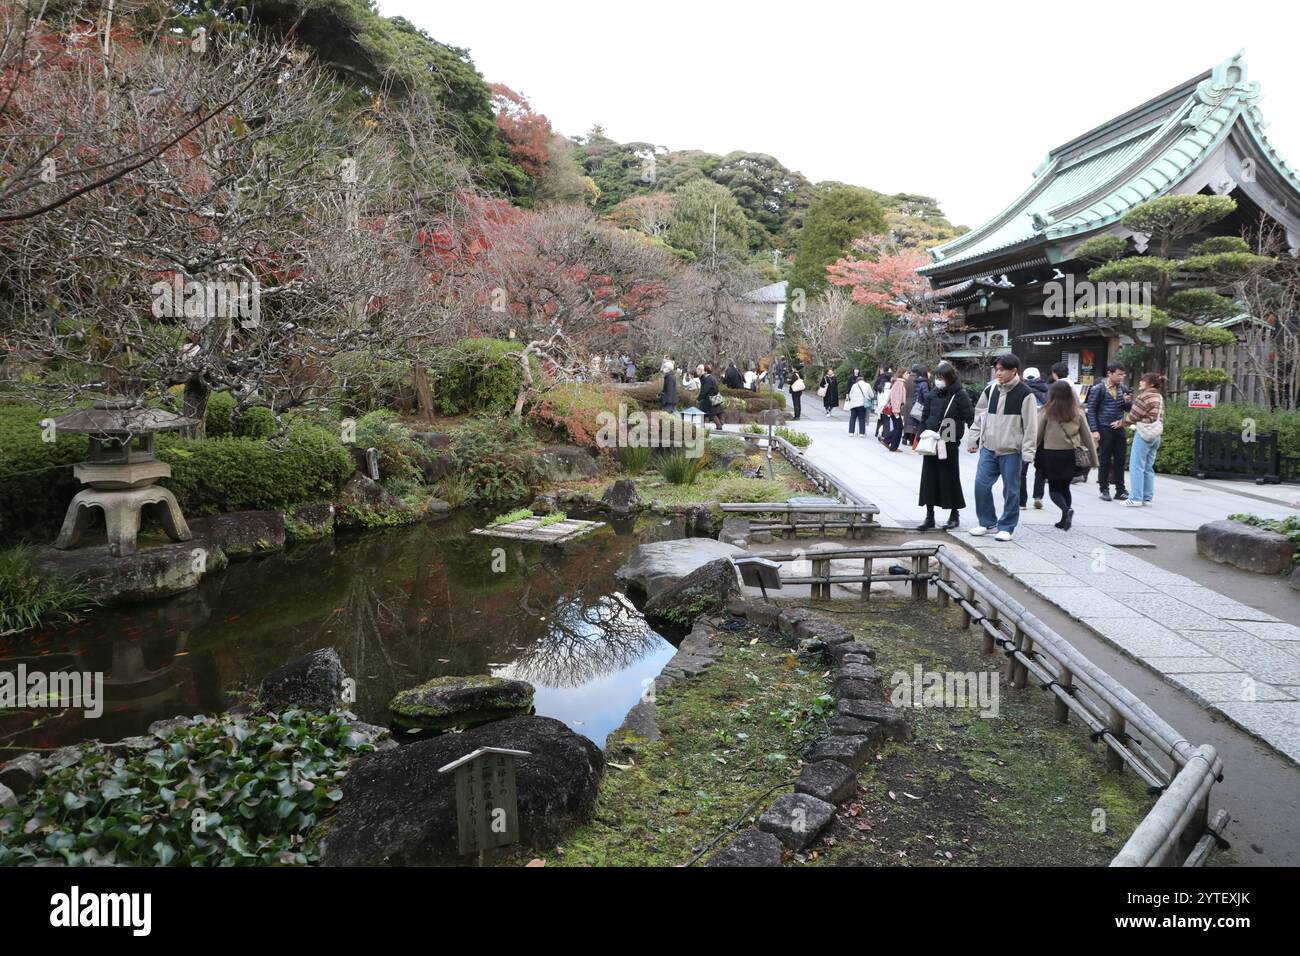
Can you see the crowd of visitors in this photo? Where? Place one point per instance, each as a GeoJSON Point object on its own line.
{"type": "Point", "coordinates": [1019, 420]}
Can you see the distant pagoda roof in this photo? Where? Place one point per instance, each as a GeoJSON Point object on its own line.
{"type": "Point", "coordinates": [1160, 147]}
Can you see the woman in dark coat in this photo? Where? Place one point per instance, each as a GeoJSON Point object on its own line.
{"type": "Point", "coordinates": [668, 397]}
{"type": "Point", "coordinates": [797, 386]}
{"type": "Point", "coordinates": [948, 410]}
{"type": "Point", "coordinates": [832, 386]}
{"type": "Point", "coordinates": [709, 388]}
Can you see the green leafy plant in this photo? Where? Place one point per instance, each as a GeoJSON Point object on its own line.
{"type": "Point", "coordinates": [634, 460]}
{"type": "Point", "coordinates": [27, 599]}
{"type": "Point", "coordinates": [498, 457]}
{"type": "Point", "coordinates": [798, 439]}
{"type": "Point", "coordinates": [554, 517]}
{"type": "Point", "coordinates": [519, 514]}
{"type": "Point", "coordinates": [679, 469]}
{"type": "Point", "coordinates": [398, 452]}
{"type": "Point", "coordinates": [454, 489]}
{"type": "Point", "coordinates": [259, 786]}
{"type": "Point", "coordinates": [750, 491]}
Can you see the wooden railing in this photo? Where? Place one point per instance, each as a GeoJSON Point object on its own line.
{"type": "Point", "coordinates": [1176, 827]}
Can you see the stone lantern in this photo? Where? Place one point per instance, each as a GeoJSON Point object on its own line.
{"type": "Point", "coordinates": [120, 474]}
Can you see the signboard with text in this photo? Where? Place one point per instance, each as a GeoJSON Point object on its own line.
{"type": "Point", "coordinates": [1202, 399]}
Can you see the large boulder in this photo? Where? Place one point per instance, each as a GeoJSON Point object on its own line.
{"type": "Point", "coordinates": [706, 590]}
{"type": "Point", "coordinates": [439, 460]}
{"type": "Point", "coordinates": [655, 566]}
{"type": "Point", "coordinates": [310, 522]}
{"type": "Point", "coordinates": [622, 497]}
{"type": "Point", "coordinates": [315, 681]}
{"type": "Point", "coordinates": [1295, 578]}
{"type": "Point", "coordinates": [365, 503]}
{"type": "Point", "coordinates": [398, 810]}
{"type": "Point", "coordinates": [149, 574]}
{"type": "Point", "coordinates": [245, 534]}
{"type": "Point", "coordinates": [565, 463]}
{"type": "Point", "coordinates": [445, 703]}
{"type": "Point", "coordinates": [1245, 547]}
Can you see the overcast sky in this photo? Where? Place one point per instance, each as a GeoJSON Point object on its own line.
{"type": "Point", "coordinates": [959, 101]}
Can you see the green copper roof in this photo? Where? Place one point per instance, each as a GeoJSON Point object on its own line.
{"type": "Point", "coordinates": [1093, 181]}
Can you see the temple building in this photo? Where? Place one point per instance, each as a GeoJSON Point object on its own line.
{"type": "Point", "coordinates": [1204, 136]}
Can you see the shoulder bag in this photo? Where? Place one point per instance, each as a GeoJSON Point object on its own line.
{"type": "Point", "coordinates": [927, 443]}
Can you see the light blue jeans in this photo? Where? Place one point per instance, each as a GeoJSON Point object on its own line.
{"type": "Point", "coordinates": [1142, 468]}
{"type": "Point", "coordinates": [991, 467]}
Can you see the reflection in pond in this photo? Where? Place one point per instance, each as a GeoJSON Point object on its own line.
{"type": "Point", "coordinates": [399, 607]}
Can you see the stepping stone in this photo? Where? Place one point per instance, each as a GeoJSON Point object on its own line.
{"type": "Point", "coordinates": [850, 653]}
{"type": "Point", "coordinates": [850, 751]}
{"type": "Point", "coordinates": [848, 688]}
{"type": "Point", "coordinates": [827, 780]}
{"type": "Point", "coordinates": [856, 671]}
{"type": "Point", "coordinates": [751, 848]}
{"type": "Point", "coordinates": [796, 818]}
{"type": "Point", "coordinates": [892, 719]}
{"type": "Point", "coordinates": [853, 727]}
{"type": "Point", "coordinates": [22, 773]}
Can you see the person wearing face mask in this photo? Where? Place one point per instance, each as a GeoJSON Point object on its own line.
{"type": "Point", "coordinates": [948, 410]}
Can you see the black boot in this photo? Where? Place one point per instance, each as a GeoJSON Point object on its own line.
{"type": "Point", "coordinates": [928, 523]}
{"type": "Point", "coordinates": [1066, 518]}
{"type": "Point", "coordinates": [953, 521]}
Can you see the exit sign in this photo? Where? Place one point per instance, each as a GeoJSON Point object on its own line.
{"type": "Point", "coordinates": [1202, 399]}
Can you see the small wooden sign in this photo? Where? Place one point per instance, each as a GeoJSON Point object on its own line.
{"type": "Point", "coordinates": [487, 804]}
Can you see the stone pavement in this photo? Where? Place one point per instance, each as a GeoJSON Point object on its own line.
{"type": "Point", "coordinates": [1230, 657]}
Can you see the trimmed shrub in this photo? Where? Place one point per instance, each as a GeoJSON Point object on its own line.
{"type": "Point", "coordinates": [755, 401]}
{"type": "Point", "coordinates": [750, 491]}
{"type": "Point", "coordinates": [572, 412]}
{"type": "Point", "coordinates": [219, 420]}
{"type": "Point", "coordinates": [1177, 451]}
{"type": "Point", "coordinates": [477, 375]}
{"type": "Point", "coordinates": [36, 481]}
{"type": "Point", "coordinates": [210, 476]}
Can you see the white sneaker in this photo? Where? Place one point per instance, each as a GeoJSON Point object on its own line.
{"type": "Point", "coordinates": [978, 530]}
{"type": "Point", "coordinates": [1132, 504]}
{"type": "Point", "coordinates": [1002, 536]}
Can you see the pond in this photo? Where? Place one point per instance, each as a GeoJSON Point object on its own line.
{"type": "Point", "coordinates": [400, 607]}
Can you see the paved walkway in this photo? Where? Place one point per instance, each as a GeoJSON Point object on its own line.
{"type": "Point", "coordinates": [1230, 657]}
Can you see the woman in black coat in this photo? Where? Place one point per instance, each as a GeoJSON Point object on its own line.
{"type": "Point", "coordinates": [832, 386]}
{"type": "Point", "coordinates": [709, 388]}
{"type": "Point", "coordinates": [948, 410]}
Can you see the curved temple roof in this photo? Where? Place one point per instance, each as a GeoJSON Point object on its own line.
{"type": "Point", "coordinates": [1092, 181]}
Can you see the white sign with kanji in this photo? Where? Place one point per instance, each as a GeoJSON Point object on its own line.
{"type": "Point", "coordinates": [1202, 399]}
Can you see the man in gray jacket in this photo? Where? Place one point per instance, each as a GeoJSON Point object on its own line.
{"type": "Point", "coordinates": [1005, 434]}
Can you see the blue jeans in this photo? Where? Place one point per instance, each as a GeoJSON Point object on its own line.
{"type": "Point", "coordinates": [858, 415]}
{"type": "Point", "coordinates": [1142, 468]}
{"type": "Point", "coordinates": [991, 467]}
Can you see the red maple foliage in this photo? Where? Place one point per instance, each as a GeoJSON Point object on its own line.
{"type": "Point", "coordinates": [527, 134]}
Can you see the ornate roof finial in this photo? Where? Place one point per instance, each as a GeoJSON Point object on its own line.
{"type": "Point", "coordinates": [1227, 78]}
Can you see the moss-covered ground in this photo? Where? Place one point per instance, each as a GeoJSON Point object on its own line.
{"type": "Point", "coordinates": [1015, 789]}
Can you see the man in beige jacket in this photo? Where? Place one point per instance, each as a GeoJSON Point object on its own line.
{"type": "Point", "coordinates": [1005, 434]}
